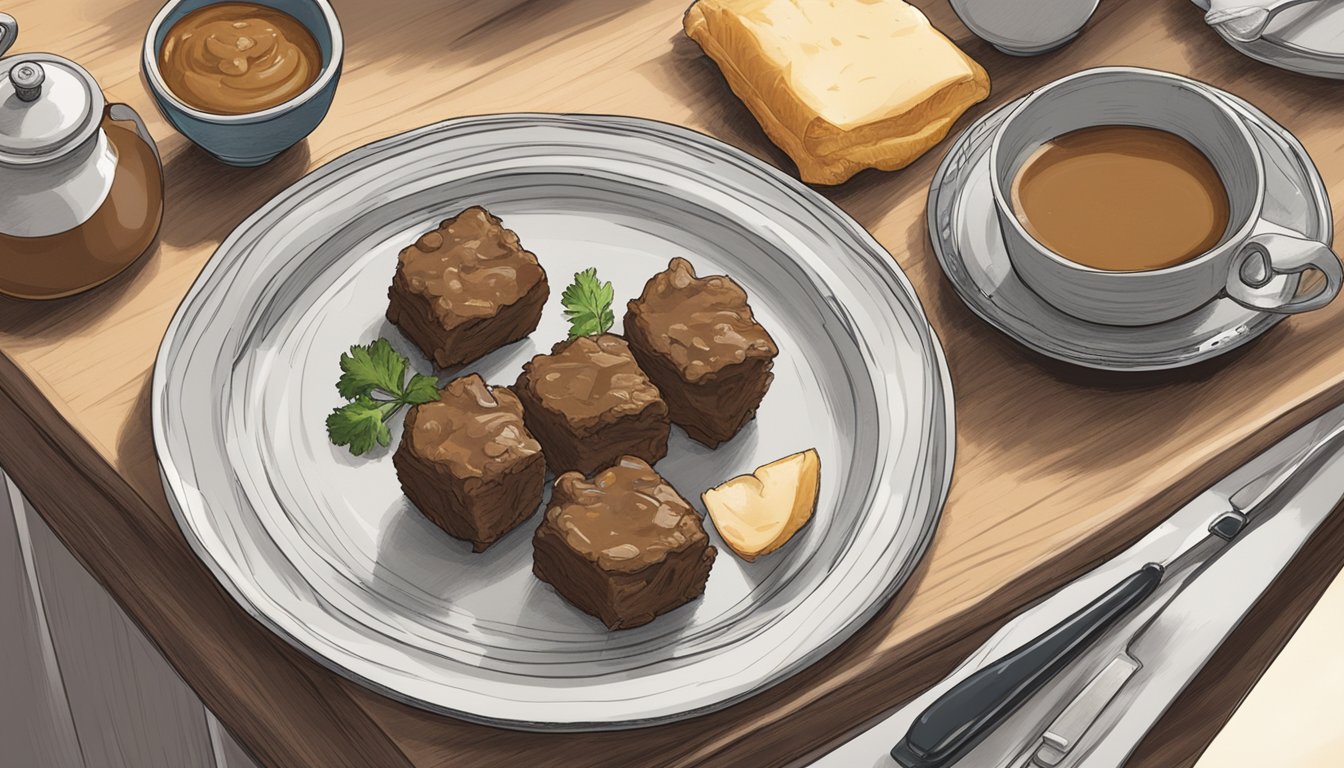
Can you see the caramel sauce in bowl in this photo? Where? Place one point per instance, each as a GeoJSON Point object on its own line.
{"type": "Point", "coordinates": [238, 58]}
{"type": "Point", "coordinates": [272, 79]}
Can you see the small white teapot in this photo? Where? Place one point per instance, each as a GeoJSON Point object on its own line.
{"type": "Point", "coordinates": [81, 185]}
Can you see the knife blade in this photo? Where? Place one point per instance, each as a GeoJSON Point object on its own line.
{"type": "Point", "coordinates": [958, 720]}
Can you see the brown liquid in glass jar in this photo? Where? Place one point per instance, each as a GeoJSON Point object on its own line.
{"type": "Point", "coordinates": [117, 234]}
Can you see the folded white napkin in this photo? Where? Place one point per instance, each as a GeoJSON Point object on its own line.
{"type": "Point", "coordinates": [1245, 20]}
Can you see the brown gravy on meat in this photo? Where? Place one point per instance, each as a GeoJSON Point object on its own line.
{"type": "Point", "coordinates": [626, 516]}
{"type": "Point", "coordinates": [472, 426]}
{"type": "Point", "coordinates": [593, 375]}
{"type": "Point", "coordinates": [704, 322]}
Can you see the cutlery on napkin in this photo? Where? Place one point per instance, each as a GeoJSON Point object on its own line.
{"type": "Point", "coordinates": [1213, 596]}
{"type": "Point", "coordinates": [960, 718]}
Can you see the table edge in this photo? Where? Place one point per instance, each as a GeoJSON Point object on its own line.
{"type": "Point", "coordinates": [69, 483]}
{"type": "Point", "coordinates": [64, 476]}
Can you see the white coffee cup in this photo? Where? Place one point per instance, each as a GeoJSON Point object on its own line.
{"type": "Point", "coordinates": [1252, 253]}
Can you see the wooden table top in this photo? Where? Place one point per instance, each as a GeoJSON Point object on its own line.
{"type": "Point", "coordinates": [1057, 466]}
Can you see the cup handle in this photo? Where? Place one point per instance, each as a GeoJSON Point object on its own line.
{"type": "Point", "coordinates": [9, 32]}
{"type": "Point", "coordinates": [1270, 255]}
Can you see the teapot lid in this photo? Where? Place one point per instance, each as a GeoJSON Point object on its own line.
{"type": "Point", "coordinates": [48, 106]}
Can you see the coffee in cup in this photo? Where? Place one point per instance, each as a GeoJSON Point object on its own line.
{"type": "Point", "coordinates": [1122, 198]}
{"type": "Point", "coordinates": [1129, 196]}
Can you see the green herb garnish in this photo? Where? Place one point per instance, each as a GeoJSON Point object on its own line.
{"type": "Point", "coordinates": [587, 303]}
{"type": "Point", "coordinates": [373, 379]}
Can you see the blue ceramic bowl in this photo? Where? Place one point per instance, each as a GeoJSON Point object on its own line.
{"type": "Point", "coordinates": [256, 137]}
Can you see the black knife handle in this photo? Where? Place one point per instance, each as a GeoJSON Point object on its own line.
{"type": "Point", "coordinates": [960, 718]}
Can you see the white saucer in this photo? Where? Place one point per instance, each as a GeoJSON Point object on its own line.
{"type": "Point", "coordinates": [967, 241]}
{"type": "Point", "coordinates": [1308, 39]}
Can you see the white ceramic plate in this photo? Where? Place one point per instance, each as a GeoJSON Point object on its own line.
{"type": "Point", "coordinates": [1308, 38]}
{"type": "Point", "coordinates": [323, 548]}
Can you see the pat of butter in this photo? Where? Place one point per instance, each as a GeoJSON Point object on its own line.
{"type": "Point", "coordinates": [840, 84]}
{"type": "Point", "coordinates": [758, 513]}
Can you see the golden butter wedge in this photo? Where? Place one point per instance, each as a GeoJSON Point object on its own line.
{"type": "Point", "coordinates": [758, 513]}
{"type": "Point", "coordinates": [840, 85]}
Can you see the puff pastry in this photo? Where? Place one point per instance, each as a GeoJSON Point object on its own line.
{"type": "Point", "coordinates": [840, 85]}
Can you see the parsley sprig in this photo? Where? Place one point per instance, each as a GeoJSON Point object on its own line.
{"type": "Point", "coordinates": [373, 379]}
{"type": "Point", "coordinates": [587, 303]}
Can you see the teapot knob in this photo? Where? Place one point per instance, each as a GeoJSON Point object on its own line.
{"type": "Point", "coordinates": [27, 77]}
{"type": "Point", "coordinates": [9, 30]}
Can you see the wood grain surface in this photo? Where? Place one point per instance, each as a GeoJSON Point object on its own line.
{"type": "Point", "coordinates": [1057, 467]}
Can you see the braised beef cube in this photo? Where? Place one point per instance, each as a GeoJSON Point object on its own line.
{"type": "Point", "coordinates": [468, 462]}
{"type": "Point", "coordinates": [466, 289]}
{"type": "Point", "coordinates": [698, 341]}
{"type": "Point", "coordinates": [623, 547]}
{"type": "Point", "coordinates": [588, 403]}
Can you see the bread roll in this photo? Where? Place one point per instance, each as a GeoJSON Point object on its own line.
{"type": "Point", "coordinates": [840, 85]}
